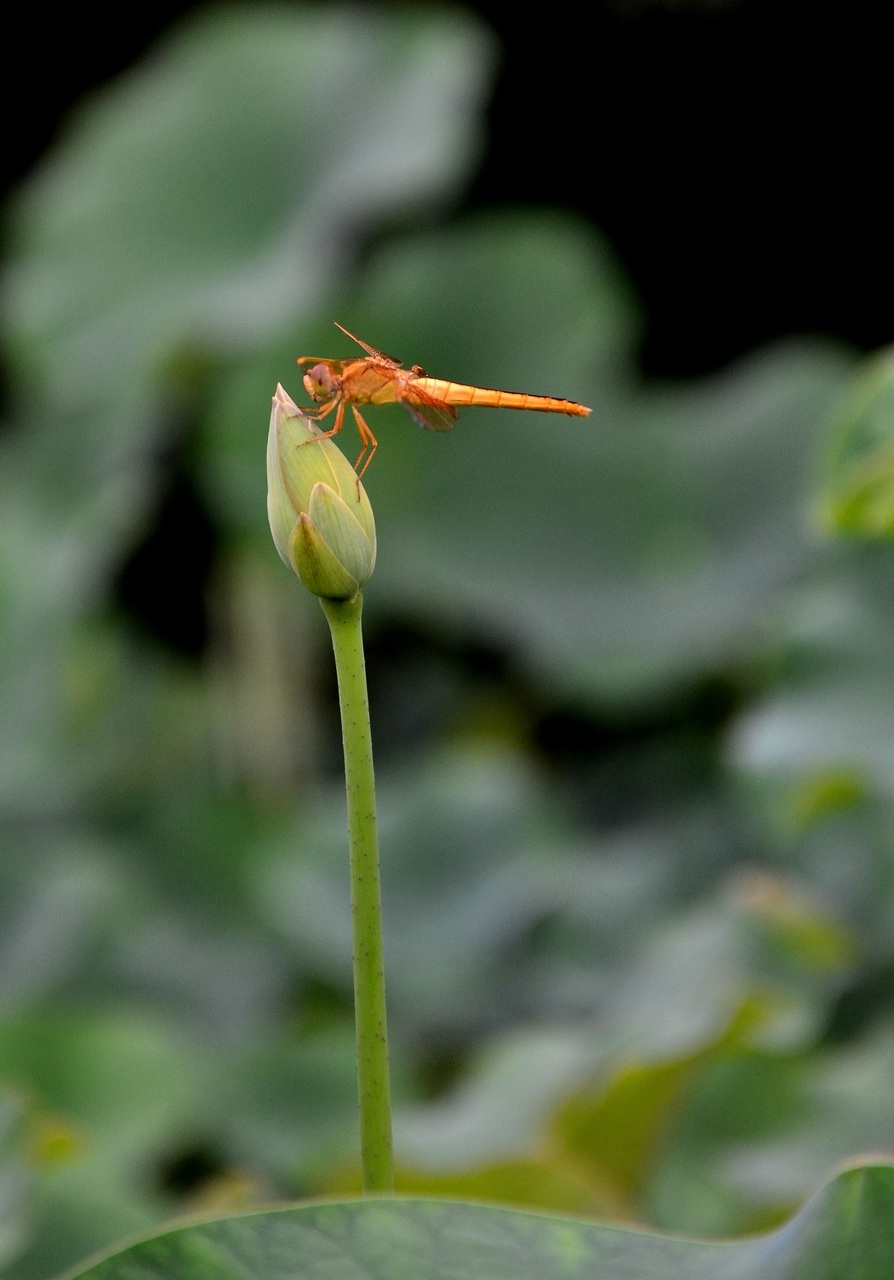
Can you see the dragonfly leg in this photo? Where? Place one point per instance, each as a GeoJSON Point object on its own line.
{"type": "Point", "coordinates": [318, 417]}
{"type": "Point", "coordinates": [319, 414]}
{"type": "Point", "coordinates": [368, 440]}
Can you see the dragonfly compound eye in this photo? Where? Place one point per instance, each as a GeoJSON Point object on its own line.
{"type": "Point", "coordinates": [318, 382]}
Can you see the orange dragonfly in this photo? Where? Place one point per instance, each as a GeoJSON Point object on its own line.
{"type": "Point", "coordinates": [379, 379]}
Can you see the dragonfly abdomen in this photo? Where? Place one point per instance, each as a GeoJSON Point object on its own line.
{"type": "Point", "coordinates": [459, 394]}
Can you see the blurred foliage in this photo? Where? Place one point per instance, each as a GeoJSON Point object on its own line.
{"type": "Point", "coordinates": [860, 482]}
{"type": "Point", "coordinates": [633, 704]}
{"type": "Point", "coordinates": [842, 1234]}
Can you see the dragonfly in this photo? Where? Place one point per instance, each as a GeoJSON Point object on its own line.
{"type": "Point", "coordinates": [377, 378]}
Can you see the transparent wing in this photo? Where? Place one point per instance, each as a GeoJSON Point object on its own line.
{"type": "Point", "coordinates": [428, 410]}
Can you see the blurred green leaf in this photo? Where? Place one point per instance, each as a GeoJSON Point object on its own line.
{"type": "Point", "coordinates": [505, 911]}
{"type": "Point", "coordinates": [16, 1178]}
{"type": "Point", "coordinates": [827, 793]}
{"type": "Point", "coordinates": [843, 1234]}
{"type": "Point", "coordinates": [57, 895]}
{"type": "Point", "coordinates": [124, 1086]}
{"type": "Point", "coordinates": [510, 911]}
{"type": "Point", "coordinates": [859, 480]}
{"type": "Point", "coordinates": [803, 933]}
{"type": "Point", "coordinates": [618, 1128]}
{"type": "Point", "coordinates": [449, 916]}
{"type": "Point", "coordinates": [209, 198]}
{"type": "Point", "coordinates": [500, 1108]}
{"type": "Point", "coordinates": [592, 1119]}
{"type": "Point", "coordinates": [830, 708]}
{"type": "Point", "coordinates": [288, 1104]}
{"type": "Point", "coordinates": [835, 1105]}
{"type": "Point", "coordinates": [556, 1121]}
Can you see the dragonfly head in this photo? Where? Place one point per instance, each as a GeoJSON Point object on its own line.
{"type": "Point", "coordinates": [319, 383]}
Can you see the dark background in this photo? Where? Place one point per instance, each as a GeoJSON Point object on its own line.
{"type": "Point", "coordinates": [735, 152]}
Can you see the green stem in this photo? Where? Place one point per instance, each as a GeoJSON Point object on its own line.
{"type": "Point", "coordinates": [366, 904]}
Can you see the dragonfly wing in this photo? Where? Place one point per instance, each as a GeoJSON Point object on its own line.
{"type": "Point", "coordinates": [428, 410]}
{"type": "Point", "coordinates": [379, 355]}
{"type": "Point", "coordinates": [337, 366]}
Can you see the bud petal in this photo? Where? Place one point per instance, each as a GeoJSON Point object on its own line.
{"type": "Point", "coordinates": [320, 517]}
{"type": "Point", "coordinates": [342, 531]}
{"type": "Point", "coordinates": [318, 567]}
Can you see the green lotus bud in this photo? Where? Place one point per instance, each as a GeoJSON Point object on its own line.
{"type": "Point", "coordinates": [319, 513]}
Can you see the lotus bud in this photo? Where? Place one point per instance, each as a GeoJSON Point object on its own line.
{"type": "Point", "coordinates": [319, 513]}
